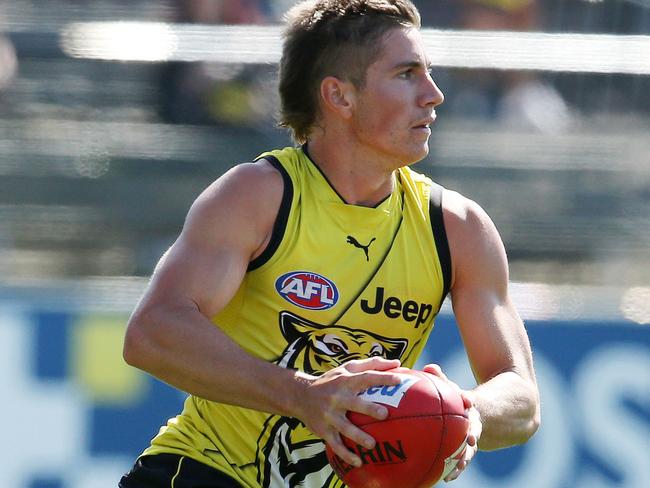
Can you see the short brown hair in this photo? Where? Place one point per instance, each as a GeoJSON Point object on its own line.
{"type": "Point", "coordinates": [331, 38]}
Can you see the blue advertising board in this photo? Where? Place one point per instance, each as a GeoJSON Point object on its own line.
{"type": "Point", "coordinates": [594, 380]}
{"type": "Point", "coordinates": [80, 416]}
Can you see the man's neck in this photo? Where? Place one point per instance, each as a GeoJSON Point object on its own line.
{"type": "Point", "coordinates": [359, 178]}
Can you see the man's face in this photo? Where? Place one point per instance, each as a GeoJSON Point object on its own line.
{"type": "Point", "coordinates": [395, 108]}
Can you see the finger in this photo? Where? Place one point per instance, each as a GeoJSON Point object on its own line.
{"type": "Point", "coordinates": [460, 466]}
{"type": "Point", "coordinates": [362, 381]}
{"type": "Point", "coordinates": [355, 434]}
{"type": "Point", "coordinates": [476, 425]}
{"type": "Point", "coordinates": [376, 363]}
{"type": "Point", "coordinates": [464, 459]}
{"type": "Point", "coordinates": [469, 454]}
{"type": "Point", "coordinates": [435, 369]}
{"type": "Point", "coordinates": [374, 410]}
{"type": "Point", "coordinates": [340, 449]}
{"type": "Point", "coordinates": [467, 397]}
{"type": "Point", "coordinates": [452, 476]}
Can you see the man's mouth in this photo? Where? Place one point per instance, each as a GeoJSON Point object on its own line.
{"type": "Point", "coordinates": [425, 123]}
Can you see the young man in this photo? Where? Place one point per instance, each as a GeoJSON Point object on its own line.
{"type": "Point", "coordinates": [303, 278]}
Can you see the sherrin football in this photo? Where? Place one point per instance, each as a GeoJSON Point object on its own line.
{"type": "Point", "coordinates": [419, 443]}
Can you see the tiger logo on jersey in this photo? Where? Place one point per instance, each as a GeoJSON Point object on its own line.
{"type": "Point", "coordinates": [316, 348]}
{"type": "Point", "coordinates": [287, 451]}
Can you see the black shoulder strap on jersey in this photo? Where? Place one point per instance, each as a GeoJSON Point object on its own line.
{"type": "Point", "coordinates": [281, 220]}
{"type": "Point", "coordinates": [440, 237]}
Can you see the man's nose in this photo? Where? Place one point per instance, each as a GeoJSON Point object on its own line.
{"type": "Point", "coordinates": [432, 94]}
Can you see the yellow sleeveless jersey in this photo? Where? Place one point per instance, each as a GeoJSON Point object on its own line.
{"type": "Point", "coordinates": [337, 282]}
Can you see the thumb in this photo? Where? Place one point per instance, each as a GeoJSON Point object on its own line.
{"type": "Point", "coordinates": [436, 370]}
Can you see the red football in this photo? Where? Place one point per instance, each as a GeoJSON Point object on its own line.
{"type": "Point", "coordinates": [417, 444]}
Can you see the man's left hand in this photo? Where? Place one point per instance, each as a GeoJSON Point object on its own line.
{"type": "Point", "coordinates": [475, 424]}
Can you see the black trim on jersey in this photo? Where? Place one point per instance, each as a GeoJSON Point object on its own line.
{"type": "Point", "coordinates": [440, 237]}
{"type": "Point", "coordinates": [306, 151]}
{"type": "Point", "coordinates": [174, 470]}
{"type": "Point", "coordinates": [280, 225]}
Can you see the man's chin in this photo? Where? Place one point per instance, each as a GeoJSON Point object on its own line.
{"type": "Point", "coordinates": [417, 155]}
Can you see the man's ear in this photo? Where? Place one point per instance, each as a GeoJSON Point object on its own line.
{"type": "Point", "coordinates": [337, 96]}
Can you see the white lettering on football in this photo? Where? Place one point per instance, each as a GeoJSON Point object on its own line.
{"type": "Point", "coordinates": [390, 394]}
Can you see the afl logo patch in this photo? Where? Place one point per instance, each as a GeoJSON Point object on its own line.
{"type": "Point", "coordinates": [307, 290]}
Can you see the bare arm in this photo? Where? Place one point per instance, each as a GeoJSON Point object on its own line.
{"type": "Point", "coordinates": [170, 335]}
{"type": "Point", "coordinates": [495, 339]}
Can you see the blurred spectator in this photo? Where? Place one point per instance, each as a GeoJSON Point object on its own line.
{"type": "Point", "coordinates": [221, 11]}
{"type": "Point", "coordinates": [213, 94]}
{"type": "Point", "coordinates": [520, 98]}
{"type": "Point", "coordinates": [479, 14]}
{"type": "Point", "coordinates": [8, 61]}
{"type": "Point", "coordinates": [517, 15]}
{"type": "Point", "coordinates": [439, 14]}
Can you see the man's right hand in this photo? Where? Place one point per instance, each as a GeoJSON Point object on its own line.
{"type": "Point", "coordinates": [323, 402]}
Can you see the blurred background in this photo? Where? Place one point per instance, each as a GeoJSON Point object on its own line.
{"type": "Point", "coordinates": [114, 115]}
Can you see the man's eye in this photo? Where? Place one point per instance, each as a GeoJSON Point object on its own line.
{"type": "Point", "coordinates": [406, 74]}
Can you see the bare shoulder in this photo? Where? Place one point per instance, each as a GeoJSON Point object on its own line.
{"type": "Point", "coordinates": [225, 228]}
{"type": "Point", "coordinates": [245, 200]}
{"type": "Point", "coordinates": [474, 242]}
{"type": "Point", "coordinates": [463, 214]}
{"type": "Point", "coordinates": [247, 184]}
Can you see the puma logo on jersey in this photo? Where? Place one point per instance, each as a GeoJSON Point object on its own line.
{"type": "Point", "coordinates": [365, 249]}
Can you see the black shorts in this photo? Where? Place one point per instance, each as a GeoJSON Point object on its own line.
{"type": "Point", "coordinates": [174, 471]}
